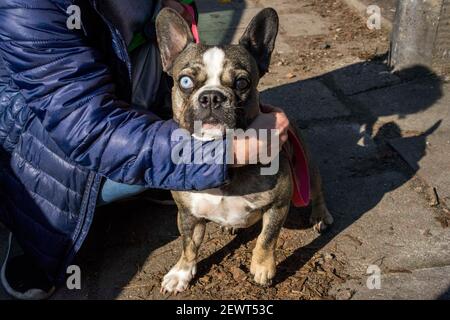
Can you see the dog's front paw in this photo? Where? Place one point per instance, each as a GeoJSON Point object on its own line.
{"type": "Point", "coordinates": [263, 272]}
{"type": "Point", "coordinates": [178, 278]}
{"type": "Point", "coordinates": [321, 219]}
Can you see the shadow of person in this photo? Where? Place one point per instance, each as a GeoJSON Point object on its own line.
{"type": "Point", "coordinates": [355, 154]}
{"type": "Point", "coordinates": [351, 198]}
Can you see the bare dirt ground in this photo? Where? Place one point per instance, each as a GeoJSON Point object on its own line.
{"type": "Point", "coordinates": [344, 39]}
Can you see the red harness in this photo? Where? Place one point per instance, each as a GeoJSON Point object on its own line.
{"type": "Point", "coordinates": [300, 172]}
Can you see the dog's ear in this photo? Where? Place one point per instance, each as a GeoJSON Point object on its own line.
{"type": "Point", "coordinates": [259, 38]}
{"type": "Point", "coordinates": [173, 34]}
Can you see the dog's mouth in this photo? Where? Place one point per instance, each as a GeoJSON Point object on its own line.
{"type": "Point", "coordinates": [213, 124]}
{"type": "Point", "coordinates": [209, 129]}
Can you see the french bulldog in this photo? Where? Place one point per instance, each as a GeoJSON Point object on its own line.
{"type": "Point", "coordinates": [218, 86]}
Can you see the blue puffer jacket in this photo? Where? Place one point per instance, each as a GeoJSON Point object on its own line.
{"type": "Point", "coordinates": [66, 124]}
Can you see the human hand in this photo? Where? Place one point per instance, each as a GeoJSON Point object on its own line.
{"type": "Point", "coordinates": [270, 118]}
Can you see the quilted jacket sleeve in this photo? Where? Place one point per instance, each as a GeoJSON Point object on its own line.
{"type": "Point", "coordinates": [71, 91]}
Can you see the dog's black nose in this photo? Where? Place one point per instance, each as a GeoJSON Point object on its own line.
{"type": "Point", "coordinates": [211, 99]}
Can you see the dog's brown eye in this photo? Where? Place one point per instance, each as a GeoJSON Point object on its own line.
{"type": "Point", "coordinates": [242, 84]}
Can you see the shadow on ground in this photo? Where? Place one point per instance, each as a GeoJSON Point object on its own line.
{"type": "Point", "coordinates": [445, 295]}
{"type": "Point", "coordinates": [353, 157]}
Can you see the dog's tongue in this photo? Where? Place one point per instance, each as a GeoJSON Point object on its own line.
{"type": "Point", "coordinates": [212, 126]}
{"type": "Point", "coordinates": [209, 131]}
{"type": "Point", "coordinates": [213, 131]}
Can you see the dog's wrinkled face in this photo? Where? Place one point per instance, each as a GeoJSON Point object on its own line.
{"type": "Point", "coordinates": [215, 85]}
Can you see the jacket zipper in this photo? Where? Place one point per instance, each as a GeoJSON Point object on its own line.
{"type": "Point", "coordinates": [123, 53]}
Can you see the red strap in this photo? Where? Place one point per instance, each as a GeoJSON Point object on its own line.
{"type": "Point", "coordinates": [194, 25]}
{"type": "Point", "coordinates": [300, 173]}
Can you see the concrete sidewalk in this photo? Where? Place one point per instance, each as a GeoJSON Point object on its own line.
{"type": "Point", "coordinates": [383, 147]}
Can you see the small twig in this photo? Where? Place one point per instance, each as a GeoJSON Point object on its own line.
{"type": "Point", "coordinates": [436, 196]}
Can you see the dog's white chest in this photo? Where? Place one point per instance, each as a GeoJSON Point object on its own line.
{"type": "Point", "coordinates": [228, 211]}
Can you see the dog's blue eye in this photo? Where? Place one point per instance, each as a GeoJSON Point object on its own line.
{"type": "Point", "coordinates": [186, 83]}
